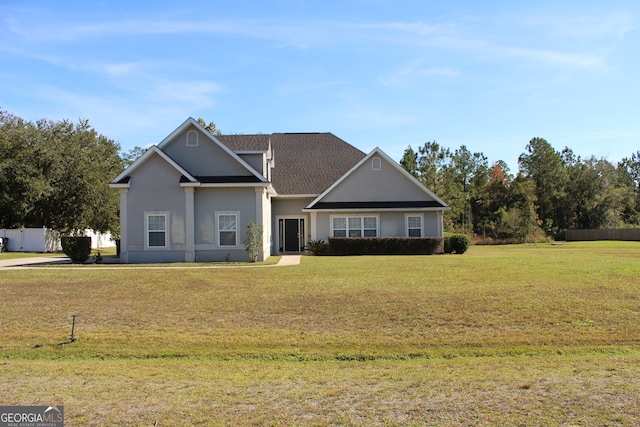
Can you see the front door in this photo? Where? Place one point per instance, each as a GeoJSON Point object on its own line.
{"type": "Point", "coordinates": [292, 234]}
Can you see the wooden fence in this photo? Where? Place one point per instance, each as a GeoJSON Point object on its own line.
{"type": "Point", "coordinates": [603, 234]}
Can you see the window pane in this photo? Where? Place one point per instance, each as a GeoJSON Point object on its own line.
{"type": "Point", "coordinates": [156, 222]}
{"type": "Point", "coordinates": [227, 222]}
{"type": "Point", "coordinates": [156, 238]}
{"type": "Point", "coordinates": [227, 238]}
{"type": "Point", "coordinates": [370, 222]}
{"type": "Point", "coordinates": [370, 233]}
{"type": "Point", "coordinates": [355, 222]}
{"type": "Point", "coordinates": [355, 233]}
{"type": "Point", "coordinates": [339, 233]}
{"type": "Point", "coordinates": [339, 224]}
{"type": "Point", "coordinates": [414, 222]}
{"type": "Point", "coordinates": [414, 232]}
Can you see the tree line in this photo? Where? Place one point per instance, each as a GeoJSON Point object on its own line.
{"type": "Point", "coordinates": [552, 191]}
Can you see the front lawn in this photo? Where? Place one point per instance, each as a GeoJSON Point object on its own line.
{"type": "Point", "coordinates": [507, 335]}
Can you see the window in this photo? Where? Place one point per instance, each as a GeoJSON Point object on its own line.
{"type": "Point", "coordinates": [156, 224]}
{"type": "Point", "coordinates": [192, 138]}
{"type": "Point", "coordinates": [414, 225]}
{"type": "Point", "coordinates": [370, 226]}
{"type": "Point", "coordinates": [376, 164]}
{"type": "Point", "coordinates": [227, 229]}
{"type": "Point", "coordinates": [339, 227]}
{"type": "Point", "coordinates": [354, 226]}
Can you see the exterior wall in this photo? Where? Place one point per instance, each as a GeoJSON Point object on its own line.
{"type": "Point", "coordinates": [256, 161]}
{"type": "Point", "coordinates": [208, 202]}
{"type": "Point", "coordinates": [155, 188]}
{"type": "Point", "coordinates": [384, 185]}
{"type": "Point", "coordinates": [205, 159]}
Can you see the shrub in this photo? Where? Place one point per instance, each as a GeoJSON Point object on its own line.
{"type": "Point", "coordinates": [316, 247]}
{"type": "Point", "coordinates": [78, 248]}
{"type": "Point", "coordinates": [456, 243]}
{"type": "Point", "coordinates": [253, 243]}
{"type": "Point", "coordinates": [385, 245]}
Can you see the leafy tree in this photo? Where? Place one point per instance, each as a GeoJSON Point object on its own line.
{"type": "Point", "coordinates": [432, 163]}
{"type": "Point", "coordinates": [466, 175]}
{"type": "Point", "coordinates": [56, 175]}
{"type": "Point", "coordinates": [544, 166]}
{"type": "Point", "coordinates": [132, 155]}
{"type": "Point", "coordinates": [211, 127]}
{"type": "Point", "coordinates": [409, 162]}
{"type": "Point", "coordinates": [629, 174]}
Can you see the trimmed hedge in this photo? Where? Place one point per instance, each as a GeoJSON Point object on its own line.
{"type": "Point", "coordinates": [456, 243]}
{"type": "Point", "coordinates": [76, 248]}
{"type": "Point", "coordinates": [385, 245]}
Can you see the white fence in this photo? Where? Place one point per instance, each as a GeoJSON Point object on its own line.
{"type": "Point", "coordinates": [46, 240]}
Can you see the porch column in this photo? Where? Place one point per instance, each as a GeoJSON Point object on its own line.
{"type": "Point", "coordinates": [124, 247]}
{"type": "Point", "coordinates": [313, 225]}
{"type": "Point", "coordinates": [262, 220]}
{"type": "Point", "coordinates": [189, 252]}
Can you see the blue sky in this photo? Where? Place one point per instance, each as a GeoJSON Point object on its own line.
{"type": "Point", "coordinates": [490, 75]}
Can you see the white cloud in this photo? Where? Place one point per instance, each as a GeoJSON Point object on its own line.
{"type": "Point", "coordinates": [413, 73]}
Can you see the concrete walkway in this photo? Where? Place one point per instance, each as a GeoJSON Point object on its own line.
{"type": "Point", "coordinates": [30, 262]}
{"type": "Point", "coordinates": [34, 261]}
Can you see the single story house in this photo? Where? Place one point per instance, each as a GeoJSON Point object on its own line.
{"type": "Point", "coordinates": [191, 197]}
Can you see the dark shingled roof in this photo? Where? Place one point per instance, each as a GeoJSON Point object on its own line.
{"type": "Point", "coordinates": [239, 143]}
{"type": "Point", "coordinates": [305, 163]}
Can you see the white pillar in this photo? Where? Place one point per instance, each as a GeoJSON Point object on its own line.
{"type": "Point", "coordinates": [261, 219]}
{"type": "Point", "coordinates": [189, 252]}
{"type": "Point", "coordinates": [124, 247]}
{"type": "Point", "coordinates": [313, 225]}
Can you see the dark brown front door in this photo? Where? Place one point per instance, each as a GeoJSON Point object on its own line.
{"type": "Point", "coordinates": [293, 238]}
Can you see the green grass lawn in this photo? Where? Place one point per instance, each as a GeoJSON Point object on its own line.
{"type": "Point", "coordinates": [543, 334]}
{"type": "Point", "coordinates": [17, 255]}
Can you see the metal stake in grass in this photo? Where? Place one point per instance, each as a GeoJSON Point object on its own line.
{"type": "Point", "coordinates": [73, 327]}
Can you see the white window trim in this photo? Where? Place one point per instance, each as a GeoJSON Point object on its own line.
{"type": "Point", "coordinates": [406, 223]}
{"type": "Point", "coordinates": [197, 144]}
{"type": "Point", "coordinates": [217, 225]}
{"type": "Point", "coordinates": [167, 227]}
{"type": "Point", "coordinates": [362, 229]}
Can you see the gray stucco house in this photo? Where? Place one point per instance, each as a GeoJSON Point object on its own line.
{"type": "Point", "coordinates": [191, 197]}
